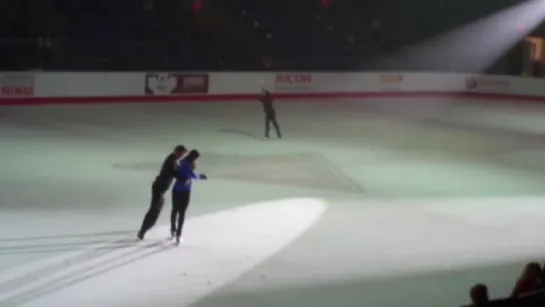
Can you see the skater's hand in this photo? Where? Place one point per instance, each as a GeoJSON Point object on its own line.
{"type": "Point", "coordinates": [203, 177]}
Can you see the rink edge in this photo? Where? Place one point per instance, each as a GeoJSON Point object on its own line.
{"type": "Point", "coordinates": [245, 97]}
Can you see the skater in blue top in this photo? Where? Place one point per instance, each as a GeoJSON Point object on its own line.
{"type": "Point", "coordinates": [162, 183]}
{"type": "Point", "coordinates": [181, 192]}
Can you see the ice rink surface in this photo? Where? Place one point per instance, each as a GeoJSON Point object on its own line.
{"type": "Point", "coordinates": [365, 202]}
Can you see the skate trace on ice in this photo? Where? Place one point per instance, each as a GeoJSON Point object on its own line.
{"type": "Point", "coordinates": [217, 249]}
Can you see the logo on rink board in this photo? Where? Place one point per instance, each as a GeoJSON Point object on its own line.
{"type": "Point", "coordinates": [391, 79]}
{"type": "Point", "coordinates": [485, 83]}
{"type": "Point", "coordinates": [293, 82]}
{"type": "Point", "coordinates": [391, 82]}
{"type": "Point", "coordinates": [176, 84]}
{"type": "Point", "coordinates": [17, 85]}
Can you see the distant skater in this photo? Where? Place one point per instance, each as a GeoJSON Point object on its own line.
{"type": "Point", "coordinates": [270, 113]}
{"type": "Point", "coordinates": [181, 192]}
{"type": "Point", "coordinates": [161, 184]}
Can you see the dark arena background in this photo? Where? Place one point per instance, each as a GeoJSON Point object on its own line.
{"type": "Point", "coordinates": [410, 171]}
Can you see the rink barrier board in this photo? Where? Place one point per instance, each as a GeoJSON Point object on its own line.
{"type": "Point", "coordinates": [31, 88]}
{"type": "Point", "coordinates": [250, 97]}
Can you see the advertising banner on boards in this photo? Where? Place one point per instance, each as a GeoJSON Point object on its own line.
{"type": "Point", "coordinates": [293, 82]}
{"type": "Point", "coordinates": [176, 84]}
{"type": "Point", "coordinates": [17, 85]}
{"type": "Point", "coordinates": [391, 82]}
{"type": "Point", "coordinates": [487, 83]}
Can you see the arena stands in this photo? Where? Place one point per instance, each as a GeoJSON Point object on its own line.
{"type": "Point", "coordinates": [215, 34]}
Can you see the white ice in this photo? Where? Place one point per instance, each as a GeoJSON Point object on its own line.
{"type": "Point", "coordinates": [217, 249]}
{"type": "Point", "coordinates": [439, 208]}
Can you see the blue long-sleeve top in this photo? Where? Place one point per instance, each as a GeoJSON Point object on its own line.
{"type": "Point", "coordinates": [185, 176]}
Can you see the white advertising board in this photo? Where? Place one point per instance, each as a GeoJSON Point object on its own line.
{"type": "Point", "coordinates": [89, 84]}
{"type": "Point", "coordinates": [239, 83]}
{"type": "Point", "coordinates": [315, 83]}
{"type": "Point", "coordinates": [233, 85]}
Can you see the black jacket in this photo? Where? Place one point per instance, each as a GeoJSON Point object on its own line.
{"type": "Point", "coordinates": [267, 102]}
{"type": "Point", "coordinates": [166, 174]}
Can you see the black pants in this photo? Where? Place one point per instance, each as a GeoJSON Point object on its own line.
{"type": "Point", "coordinates": [270, 117]}
{"type": "Point", "coordinates": [156, 205]}
{"type": "Point", "coordinates": [180, 202]}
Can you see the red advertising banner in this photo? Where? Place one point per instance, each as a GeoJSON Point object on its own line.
{"type": "Point", "coordinates": [293, 82]}
{"type": "Point", "coordinates": [17, 85]}
{"type": "Point", "coordinates": [176, 84]}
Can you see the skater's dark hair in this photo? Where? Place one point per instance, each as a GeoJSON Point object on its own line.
{"type": "Point", "coordinates": [180, 148]}
{"type": "Point", "coordinates": [192, 155]}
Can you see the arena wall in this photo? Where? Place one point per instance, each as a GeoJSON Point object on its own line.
{"type": "Point", "coordinates": [117, 87]}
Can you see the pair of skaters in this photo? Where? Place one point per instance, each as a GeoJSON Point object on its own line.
{"type": "Point", "coordinates": [184, 173]}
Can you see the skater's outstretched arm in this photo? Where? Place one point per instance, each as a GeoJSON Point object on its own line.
{"type": "Point", "coordinates": [193, 174]}
{"type": "Point", "coordinates": [187, 167]}
{"type": "Point", "coordinates": [185, 172]}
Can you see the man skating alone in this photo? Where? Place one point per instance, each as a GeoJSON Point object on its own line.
{"type": "Point", "coordinates": [270, 113]}
{"type": "Point", "coordinates": [181, 192]}
{"type": "Point", "coordinates": [159, 187]}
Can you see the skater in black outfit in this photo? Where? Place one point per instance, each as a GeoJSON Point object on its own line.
{"type": "Point", "coordinates": [159, 187]}
{"type": "Point", "coordinates": [270, 113]}
{"type": "Point", "coordinates": [181, 192]}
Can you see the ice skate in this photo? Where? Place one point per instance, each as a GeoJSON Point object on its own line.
{"type": "Point", "coordinates": [172, 234]}
{"type": "Point", "coordinates": [140, 236]}
{"type": "Point", "coordinates": [178, 240]}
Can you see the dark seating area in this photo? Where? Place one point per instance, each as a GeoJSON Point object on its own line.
{"type": "Point", "coordinates": [103, 35]}
{"type": "Point", "coordinates": [132, 35]}
{"type": "Point", "coordinates": [171, 35]}
{"type": "Point", "coordinates": [297, 34]}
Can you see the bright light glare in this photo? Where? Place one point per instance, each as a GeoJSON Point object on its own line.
{"type": "Point", "coordinates": [217, 249]}
{"type": "Point", "coordinates": [476, 46]}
